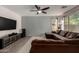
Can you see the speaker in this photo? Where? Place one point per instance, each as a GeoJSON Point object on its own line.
{"type": "Point", "coordinates": [23, 34]}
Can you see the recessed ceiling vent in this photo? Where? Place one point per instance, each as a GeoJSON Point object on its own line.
{"type": "Point", "coordinates": [64, 7]}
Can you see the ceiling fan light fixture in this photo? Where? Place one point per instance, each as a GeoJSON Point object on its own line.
{"type": "Point", "coordinates": [39, 11]}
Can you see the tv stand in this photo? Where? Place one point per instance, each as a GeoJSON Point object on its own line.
{"type": "Point", "coordinates": [7, 40]}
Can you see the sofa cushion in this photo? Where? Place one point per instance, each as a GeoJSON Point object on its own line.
{"type": "Point", "coordinates": [77, 35]}
{"type": "Point", "coordinates": [62, 33]}
{"type": "Point", "coordinates": [58, 31]}
{"type": "Point", "coordinates": [67, 35]}
{"type": "Point", "coordinates": [72, 35]}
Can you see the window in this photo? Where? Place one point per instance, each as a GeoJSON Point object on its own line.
{"type": "Point", "coordinates": [74, 19]}
{"type": "Point", "coordinates": [66, 23]}
{"type": "Point", "coordinates": [71, 22]}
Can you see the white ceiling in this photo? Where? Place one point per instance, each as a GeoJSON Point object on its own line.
{"type": "Point", "coordinates": [24, 10]}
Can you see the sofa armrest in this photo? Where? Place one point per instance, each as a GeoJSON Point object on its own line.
{"type": "Point", "coordinates": [52, 36]}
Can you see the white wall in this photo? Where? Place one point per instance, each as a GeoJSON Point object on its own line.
{"type": "Point", "coordinates": [36, 25]}
{"type": "Point", "coordinates": [4, 12]}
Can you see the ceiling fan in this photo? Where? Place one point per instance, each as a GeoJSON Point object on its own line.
{"type": "Point", "coordinates": [39, 10]}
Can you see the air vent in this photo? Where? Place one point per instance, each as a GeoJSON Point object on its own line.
{"type": "Point", "coordinates": [64, 7]}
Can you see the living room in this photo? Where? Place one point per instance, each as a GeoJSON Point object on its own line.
{"type": "Point", "coordinates": [33, 21]}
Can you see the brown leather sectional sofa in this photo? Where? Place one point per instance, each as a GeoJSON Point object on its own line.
{"type": "Point", "coordinates": [62, 35]}
{"type": "Point", "coordinates": [57, 42]}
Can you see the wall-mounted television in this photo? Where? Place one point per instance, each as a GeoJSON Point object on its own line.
{"type": "Point", "coordinates": [7, 24]}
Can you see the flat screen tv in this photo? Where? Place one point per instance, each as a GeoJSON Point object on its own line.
{"type": "Point", "coordinates": [7, 24]}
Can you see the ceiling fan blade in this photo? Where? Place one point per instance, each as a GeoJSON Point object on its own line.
{"type": "Point", "coordinates": [46, 8]}
{"type": "Point", "coordinates": [38, 8]}
{"type": "Point", "coordinates": [44, 12]}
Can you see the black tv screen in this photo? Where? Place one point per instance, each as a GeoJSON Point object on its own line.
{"type": "Point", "coordinates": [7, 24]}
